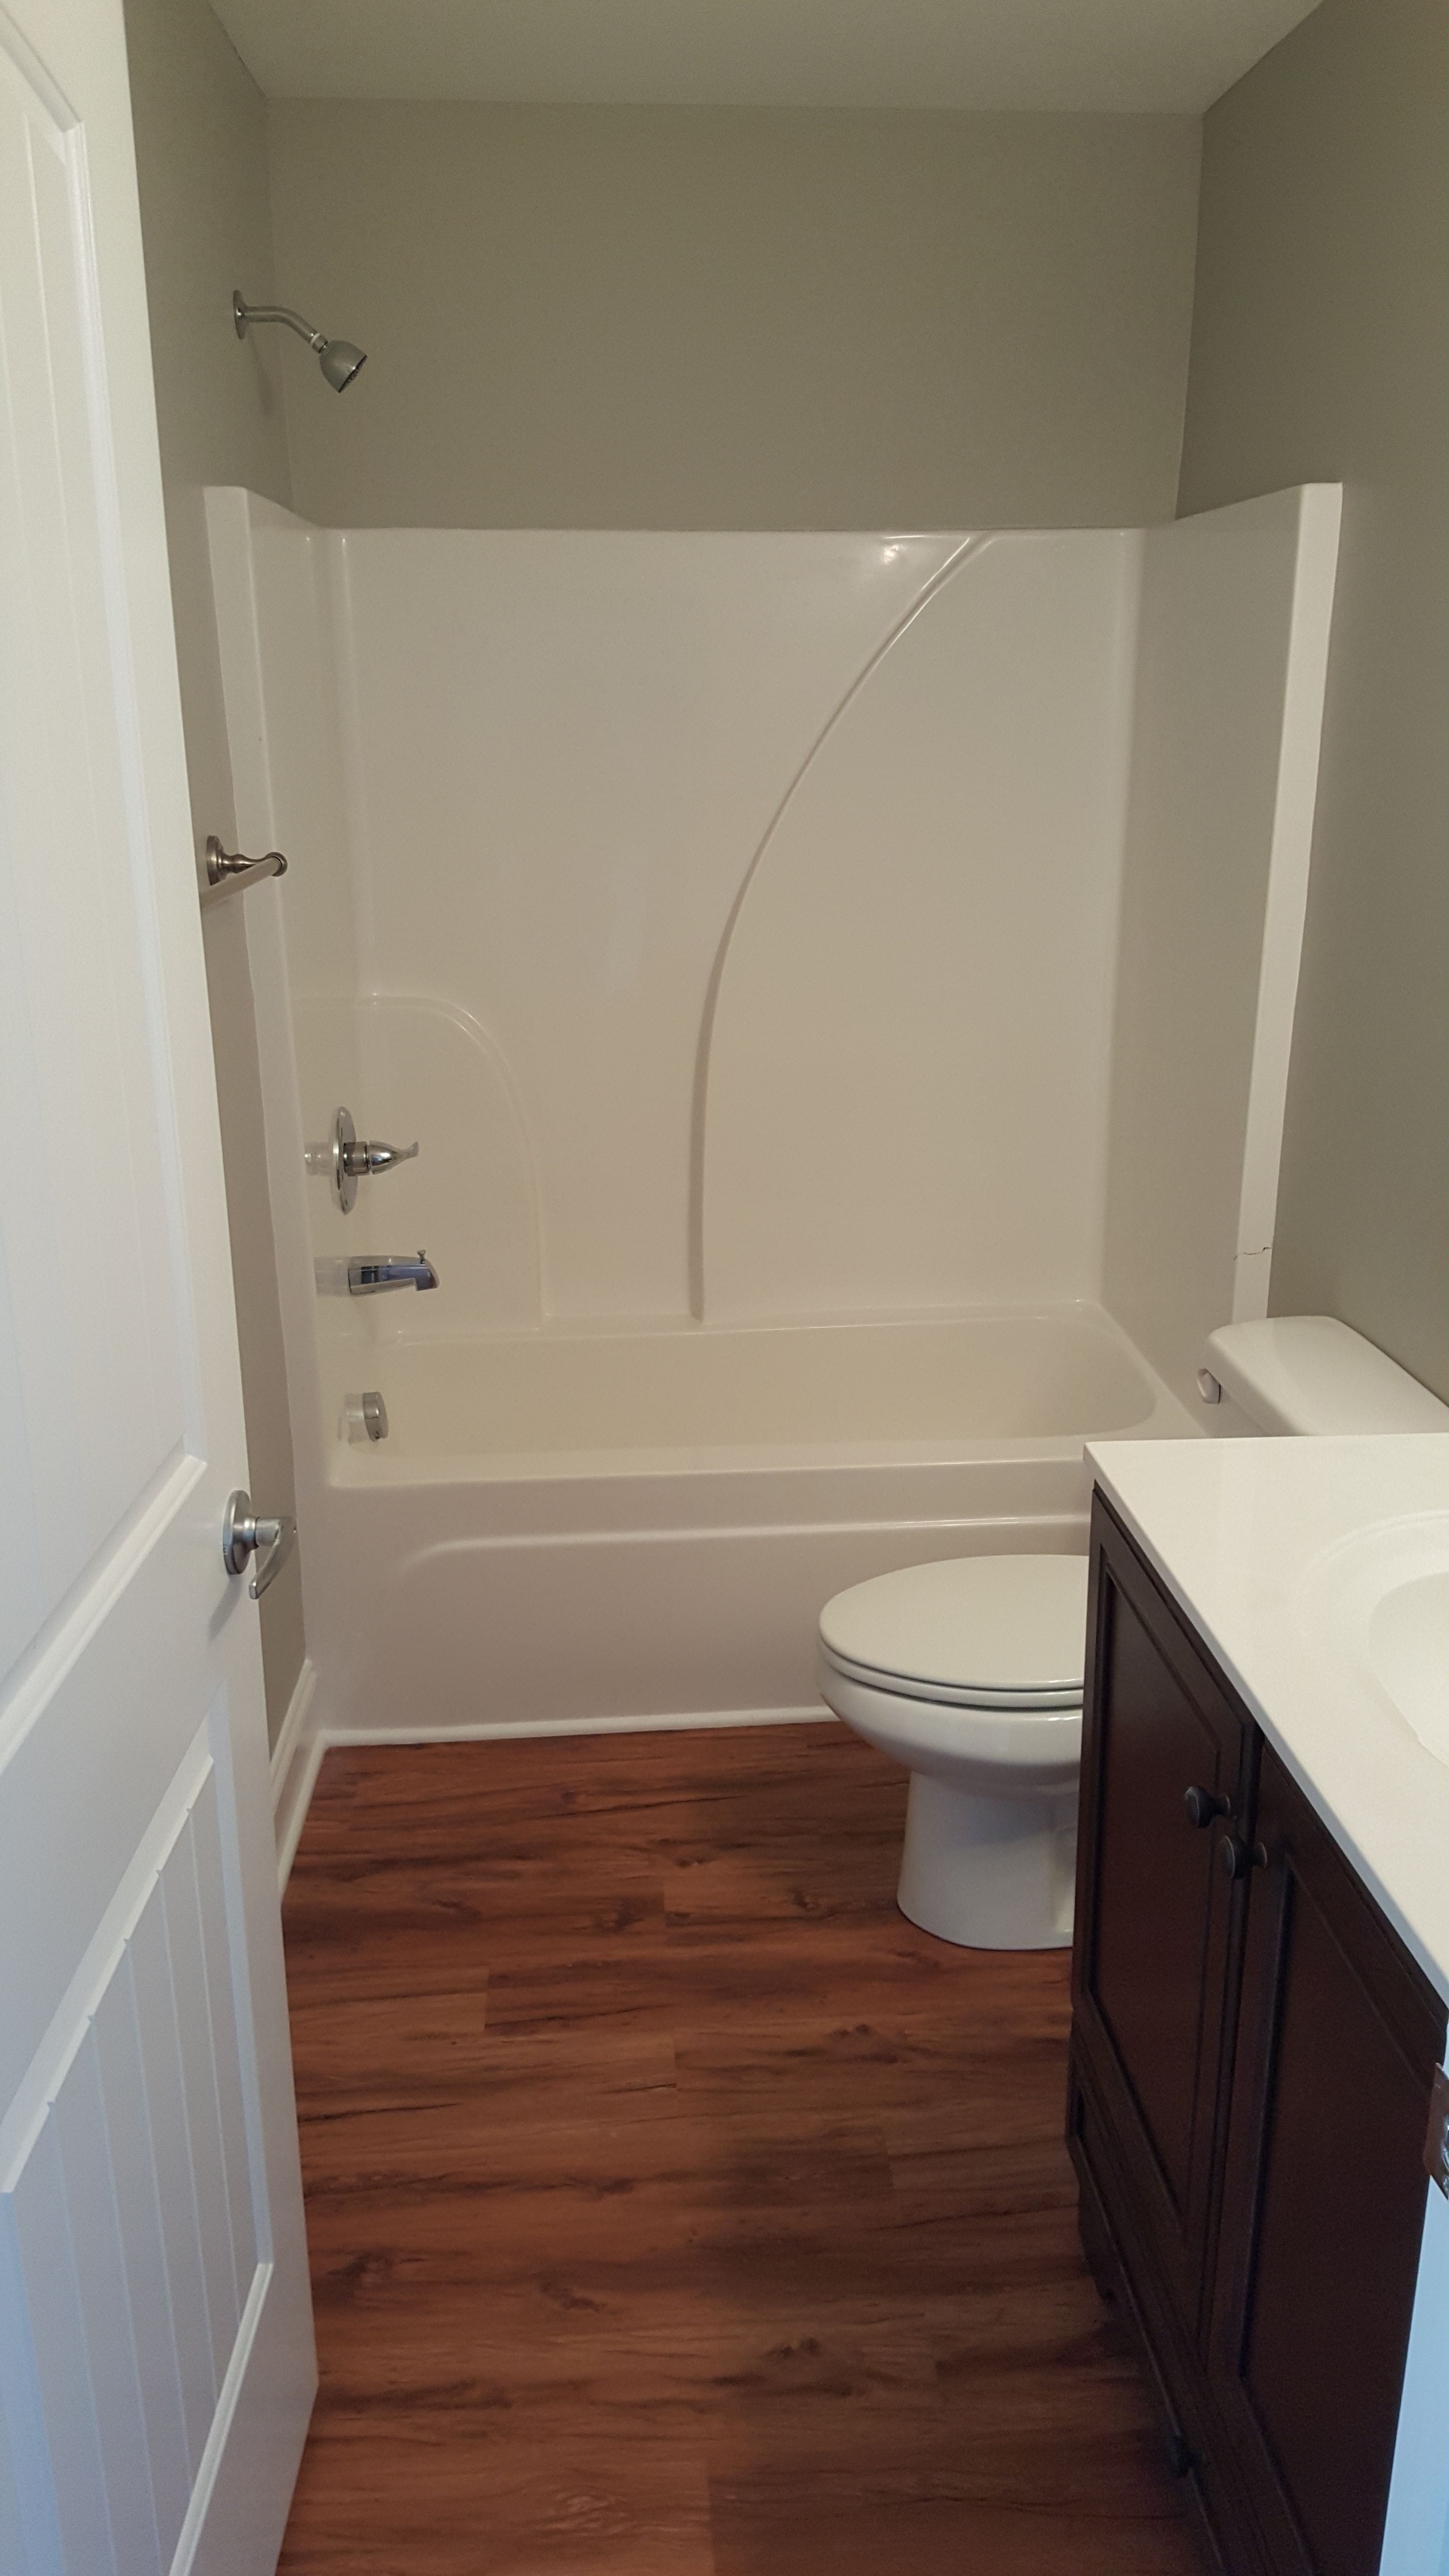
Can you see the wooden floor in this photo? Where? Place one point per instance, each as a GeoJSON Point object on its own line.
{"type": "Point", "coordinates": [676, 2208]}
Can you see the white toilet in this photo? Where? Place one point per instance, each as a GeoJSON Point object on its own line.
{"type": "Point", "coordinates": [970, 1672]}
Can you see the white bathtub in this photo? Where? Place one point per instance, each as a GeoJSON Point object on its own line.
{"type": "Point", "coordinates": [566, 1530]}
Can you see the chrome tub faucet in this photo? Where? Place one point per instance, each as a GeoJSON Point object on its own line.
{"type": "Point", "coordinates": [369, 1274]}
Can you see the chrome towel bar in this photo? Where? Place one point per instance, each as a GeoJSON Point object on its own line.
{"type": "Point", "coordinates": [231, 872]}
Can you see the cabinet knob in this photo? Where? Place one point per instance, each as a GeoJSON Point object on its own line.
{"type": "Point", "coordinates": [1237, 1857]}
{"type": "Point", "coordinates": [1203, 1804]}
{"type": "Point", "coordinates": [1234, 1857]}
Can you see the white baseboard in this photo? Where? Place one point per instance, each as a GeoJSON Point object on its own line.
{"type": "Point", "coordinates": [496, 1731]}
{"type": "Point", "coordinates": [304, 1739]}
{"type": "Point", "coordinates": [296, 1760]}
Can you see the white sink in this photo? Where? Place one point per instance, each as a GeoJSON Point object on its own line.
{"type": "Point", "coordinates": [1408, 1650]}
{"type": "Point", "coordinates": [1378, 1602]}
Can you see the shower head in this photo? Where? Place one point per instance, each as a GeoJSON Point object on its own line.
{"type": "Point", "coordinates": [339, 362]}
{"type": "Point", "coordinates": [338, 359]}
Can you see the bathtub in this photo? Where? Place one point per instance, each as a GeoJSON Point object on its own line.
{"type": "Point", "coordinates": [569, 1530]}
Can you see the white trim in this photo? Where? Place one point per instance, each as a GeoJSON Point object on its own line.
{"type": "Point", "coordinates": [1251, 1271]}
{"type": "Point", "coordinates": [303, 1741]}
{"type": "Point", "coordinates": [296, 1760]}
{"type": "Point", "coordinates": [193, 2530]}
{"type": "Point", "coordinates": [498, 1731]}
{"type": "Point", "coordinates": [298, 1710]}
{"type": "Point", "coordinates": [1320, 514]}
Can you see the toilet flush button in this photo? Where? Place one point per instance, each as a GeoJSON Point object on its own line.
{"type": "Point", "coordinates": [1209, 1387]}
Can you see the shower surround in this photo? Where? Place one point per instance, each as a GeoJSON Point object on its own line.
{"type": "Point", "coordinates": [842, 987]}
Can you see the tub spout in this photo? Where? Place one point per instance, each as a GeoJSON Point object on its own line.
{"type": "Point", "coordinates": [369, 1273]}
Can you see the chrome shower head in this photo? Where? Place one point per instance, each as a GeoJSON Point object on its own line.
{"type": "Point", "coordinates": [339, 362]}
{"type": "Point", "coordinates": [338, 359]}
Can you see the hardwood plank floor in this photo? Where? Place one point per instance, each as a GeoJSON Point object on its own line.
{"type": "Point", "coordinates": [676, 2208]}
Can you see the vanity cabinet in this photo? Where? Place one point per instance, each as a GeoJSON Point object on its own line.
{"type": "Point", "coordinates": [1253, 2052]}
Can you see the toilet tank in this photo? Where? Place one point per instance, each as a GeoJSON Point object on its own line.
{"type": "Point", "coordinates": [1310, 1373]}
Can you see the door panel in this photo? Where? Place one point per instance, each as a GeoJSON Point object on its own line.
{"type": "Point", "coordinates": [1152, 1947]}
{"type": "Point", "coordinates": [156, 2363]}
{"type": "Point", "coordinates": [91, 1733]}
{"type": "Point", "coordinates": [130, 2202]}
{"type": "Point", "coordinates": [1324, 2208]}
{"type": "Point", "coordinates": [1156, 1914]}
{"type": "Point", "coordinates": [97, 1352]}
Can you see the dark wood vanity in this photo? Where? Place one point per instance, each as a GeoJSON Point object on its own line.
{"type": "Point", "coordinates": [1253, 2055]}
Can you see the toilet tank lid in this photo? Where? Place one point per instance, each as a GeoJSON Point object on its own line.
{"type": "Point", "coordinates": [1008, 1624]}
{"type": "Point", "coordinates": [1311, 1373]}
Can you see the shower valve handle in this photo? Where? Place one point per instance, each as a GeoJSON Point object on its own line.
{"type": "Point", "coordinates": [352, 1157]}
{"type": "Point", "coordinates": [369, 1154]}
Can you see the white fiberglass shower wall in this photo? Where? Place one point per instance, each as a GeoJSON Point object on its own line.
{"type": "Point", "coordinates": [790, 952]}
{"type": "Point", "coordinates": [591, 786]}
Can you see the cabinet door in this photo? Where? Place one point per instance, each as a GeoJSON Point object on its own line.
{"type": "Point", "coordinates": [1323, 2204]}
{"type": "Point", "coordinates": [1156, 1911]}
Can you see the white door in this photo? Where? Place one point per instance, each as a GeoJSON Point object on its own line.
{"type": "Point", "coordinates": [156, 2361]}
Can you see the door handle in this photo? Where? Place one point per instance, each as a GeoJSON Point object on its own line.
{"type": "Point", "coordinates": [1203, 1804]}
{"type": "Point", "coordinates": [245, 1534]}
{"type": "Point", "coordinates": [231, 871]}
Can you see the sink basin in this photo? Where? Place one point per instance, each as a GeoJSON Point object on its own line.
{"type": "Point", "coordinates": [1408, 1649]}
{"type": "Point", "coordinates": [1378, 1604]}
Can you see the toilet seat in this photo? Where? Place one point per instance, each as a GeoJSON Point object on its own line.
{"type": "Point", "coordinates": [944, 1694]}
{"type": "Point", "coordinates": [1004, 1633]}
{"type": "Point", "coordinates": [1023, 1752]}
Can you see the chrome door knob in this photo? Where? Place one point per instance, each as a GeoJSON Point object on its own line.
{"type": "Point", "coordinates": [245, 1534]}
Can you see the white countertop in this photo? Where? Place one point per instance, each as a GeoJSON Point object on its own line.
{"type": "Point", "coordinates": [1236, 1529]}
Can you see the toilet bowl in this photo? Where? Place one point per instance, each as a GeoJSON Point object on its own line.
{"type": "Point", "coordinates": [970, 1673]}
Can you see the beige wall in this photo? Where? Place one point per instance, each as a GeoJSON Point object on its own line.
{"type": "Point", "coordinates": [1321, 349]}
{"type": "Point", "coordinates": [201, 156]}
{"type": "Point", "coordinates": [736, 318]}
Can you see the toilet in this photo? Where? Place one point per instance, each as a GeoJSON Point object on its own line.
{"type": "Point", "coordinates": [970, 1672]}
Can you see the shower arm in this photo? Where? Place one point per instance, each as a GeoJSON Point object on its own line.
{"type": "Point", "coordinates": [339, 360]}
{"type": "Point", "coordinates": [242, 313]}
